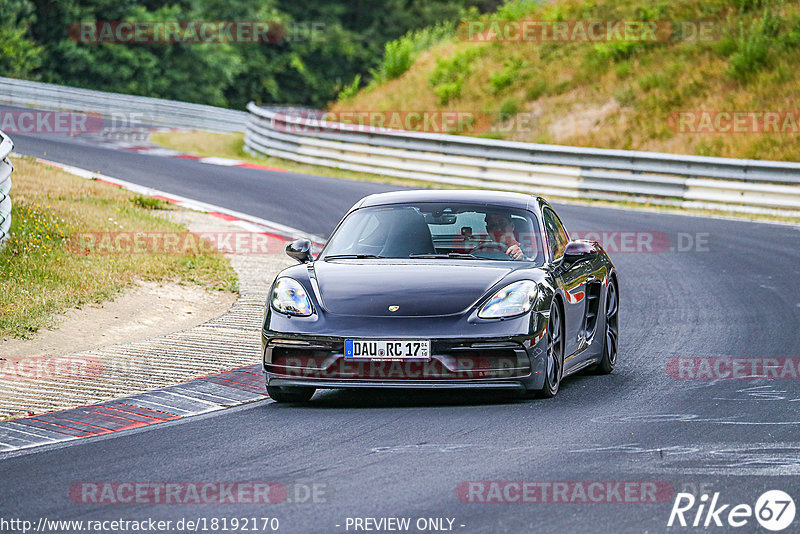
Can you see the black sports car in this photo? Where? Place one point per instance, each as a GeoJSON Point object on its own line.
{"type": "Point", "coordinates": [441, 289]}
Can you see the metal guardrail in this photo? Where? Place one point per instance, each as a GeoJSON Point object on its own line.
{"type": "Point", "coordinates": [550, 170]}
{"type": "Point", "coordinates": [153, 110]}
{"type": "Point", "coordinates": [6, 147]}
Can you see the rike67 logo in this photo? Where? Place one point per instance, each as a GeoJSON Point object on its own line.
{"type": "Point", "coordinates": [774, 510]}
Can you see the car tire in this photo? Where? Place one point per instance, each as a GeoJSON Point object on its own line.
{"type": "Point", "coordinates": [610, 331]}
{"type": "Point", "coordinates": [290, 393]}
{"type": "Point", "coordinates": [555, 354]}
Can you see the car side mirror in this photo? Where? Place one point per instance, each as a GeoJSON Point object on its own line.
{"type": "Point", "coordinates": [577, 250]}
{"type": "Point", "coordinates": [300, 250]}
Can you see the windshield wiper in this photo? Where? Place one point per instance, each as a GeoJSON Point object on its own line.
{"type": "Point", "coordinates": [353, 257]}
{"type": "Point", "coordinates": [454, 255]}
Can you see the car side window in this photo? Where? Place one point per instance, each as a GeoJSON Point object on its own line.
{"type": "Point", "coordinates": [557, 237]}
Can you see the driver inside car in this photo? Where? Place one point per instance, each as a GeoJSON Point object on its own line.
{"type": "Point", "coordinates": [501, 229]}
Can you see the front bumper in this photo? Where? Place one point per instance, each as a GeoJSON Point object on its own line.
{"type": "Point", "coordinates": [515, 363]}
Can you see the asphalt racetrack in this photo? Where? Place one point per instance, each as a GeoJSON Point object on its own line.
{"type": "Point", "coordinates": [708, 289]}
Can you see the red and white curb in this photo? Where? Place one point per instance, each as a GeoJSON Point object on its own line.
{"type": "Point", "coordinates": [195, 397]}
{"type": "Point", "coordinates": [149, 149]}
{"type": "Point", "coordinates": [210, 160]}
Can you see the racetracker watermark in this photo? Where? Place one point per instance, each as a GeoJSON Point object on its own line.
{"type": "Point", "coordinates": [645, 241]}
{"type": "Point", "coordinates": [632, 241]}
{"type": "Point", "coordinates": [783, 122]}
{"type": "Point", "coordinates": [726, 368]}
{"type": "Point", "coordinates": [177, 493]}
{"type": "Point", "coordinates": [375, 121]}
{"type": "Point", "coordinates": [49, 122]}
{"type": "Point", "coordinates": [51, 368]}
{"type": "Point", "coordinates": [586, 31]}
{"type": "Point", "coordinates": [175, 243]}
{"type": "Point", "coordinates": [192, 493]}
{"type": "Point", "coordinates": [564, 492]}
{"type": "Point", "coordinates": [566, 31]}
{"type": "Point", "coordinates": [382, 121]}
{"type": "Point", "coordinates": [617, 241]}
{"type": "Point", "coordinates": [74, 368]}
{"type": "Point", "coordinates": [439, 368]}
{"type": "Point", "coordinates": [133, 32]}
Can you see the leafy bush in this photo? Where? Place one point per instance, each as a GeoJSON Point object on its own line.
{"type": "Point", "coordinates": [507, 76]}
{"type": "Point", "coordinates": [536, 90]}
{"type": "Point", "coordinates": [623, 69]}
{"type": "Point", "coordinates": [399, 55]}
{"type": "Point", "coordinates": [753, 46]}
{"type": "Point", "coordinates": [397, 59]}
{"type": "Point", "coordinates": [615, 50]}
{"type": "Point", "coordinates": [447, 79]}
{"type": "Point", "coordinates": [349, 91]}
{"type": "Point", "coordinates": [751, 5]}
{"type": "Point", "coordinates": [448, 91]}
{"type": "Point", "coordinates": [509, 108]}
{"type": "Point", "coordinates": [656, 12]}
{"type": "Point", "coordinates": [792, 39]}
{"type": "Point", "coordinates": [516, 9]}
{"type": "Point", "coordinates": [149, 203]}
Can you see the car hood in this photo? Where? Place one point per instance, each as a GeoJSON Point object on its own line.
{"type": "Point", "coordinates": [416, 287]}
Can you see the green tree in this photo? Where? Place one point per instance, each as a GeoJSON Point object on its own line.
{"type": "Point", "coordinates": [19, 54]}
{"type": "Point", "coordinates": [328, 43]}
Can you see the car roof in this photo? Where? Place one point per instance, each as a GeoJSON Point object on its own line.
{"type": "Point", "coordinates": [471, 196]}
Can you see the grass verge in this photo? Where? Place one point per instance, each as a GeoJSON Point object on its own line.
{"type": "Point", "coordinates": [655, 94]}
{"type": "Point", "coordinates": [39, 275]}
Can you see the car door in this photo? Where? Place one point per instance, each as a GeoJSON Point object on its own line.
{"type": "Point", "coordinates": [572, 280]}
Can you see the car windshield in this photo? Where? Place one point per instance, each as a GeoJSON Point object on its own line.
{"type": "Point", "coordinates": [436, 230]}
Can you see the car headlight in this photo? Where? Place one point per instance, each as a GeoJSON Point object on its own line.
{"type": "Point", "coordinates": [290, 297]}
{"type": "Point", "coordinates": [514, 299]}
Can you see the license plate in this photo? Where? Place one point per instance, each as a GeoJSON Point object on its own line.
{"type": "Point", "coordinates": [387, 349]}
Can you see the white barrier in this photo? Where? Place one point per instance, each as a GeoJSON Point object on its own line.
{"type": "Point", "coordinates": [549, 170]}
{"type": "Point", "coordinates": [151, 110]}
{"type": "Point", "coordinates": [6, 147]}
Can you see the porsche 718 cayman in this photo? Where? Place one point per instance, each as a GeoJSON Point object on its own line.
{"type": "Point", "coordinates": [441, 289]}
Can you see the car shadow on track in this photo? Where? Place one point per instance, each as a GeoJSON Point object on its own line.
{"type": "Point", "coordinates": [405, 398]}
{"type": "Point", "coordinates": [575, 389]}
